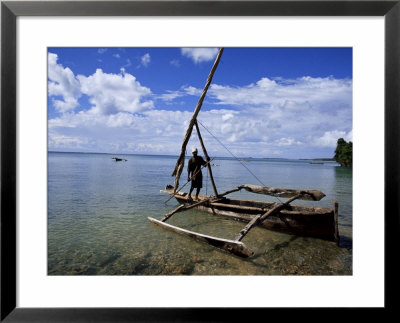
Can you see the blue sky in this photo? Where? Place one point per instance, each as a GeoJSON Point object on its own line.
{"type": "Point", "coordinates": [263, 102]}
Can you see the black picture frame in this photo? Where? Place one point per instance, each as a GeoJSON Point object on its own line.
{"type": "Point", "coordinates": [10, 10]}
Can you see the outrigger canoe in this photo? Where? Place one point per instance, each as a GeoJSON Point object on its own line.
{"type": "Point", "coordinates": [301, 220]}
{"type": "Point", "coordinates": [320, 222]}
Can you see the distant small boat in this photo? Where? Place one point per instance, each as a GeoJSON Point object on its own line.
{"type": "Point", "coordinates": [118, 159]}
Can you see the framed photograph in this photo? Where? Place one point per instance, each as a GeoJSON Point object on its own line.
{"type": "Point", "coordinates": [100, 103]}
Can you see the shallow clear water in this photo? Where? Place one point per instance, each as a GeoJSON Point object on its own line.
{"type": "Point", "coordinates": [98, 209]}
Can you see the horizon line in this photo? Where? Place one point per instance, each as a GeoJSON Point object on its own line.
{"type": "Point", "coordinates": [150, 154]}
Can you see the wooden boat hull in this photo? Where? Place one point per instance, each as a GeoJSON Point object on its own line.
{"type": "Point", "coordinates": [295, 219]}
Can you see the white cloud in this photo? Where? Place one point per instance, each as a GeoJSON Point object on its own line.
{"type": "Point", "coordinates": [290, 93]}
{"type": "Point", "coordinates": [281, 112]}
{"type": "Point", "coordinates": [264, 118]}
{"type": "Point", "coordinates": [329, 138]}
{"type": "Point", "coordinates": [199, 55]}
{"type": "Point", "coordinates": [152, 131]}
{"type": "Point", "coordinates": [171, 95]}
{"type": "Point", "coordinates": [290, 105]}
{"type": "Point", "coordinates": [190, 90]}
{"type": "Point", "coordinates": [227, 116]}
{"type": "Point", "coordinates": [145, 59]}
{"type": "Point", "coordinates": [287, 142]}
{"type": "Point", "coordinates": [57, 141]}
{"type": "Point", "coordinates": [108, 93]}
{"type": "Point", "coordinates": [184, 91]}
{"type": "Point", "coordinates": [113, 93]}
{"type": "Point", "coordinates": [248, 132]}
{"type": "Point", "coordinates": [128, 63]}
{"type": "Point", "coordinates": [102, 50]}
{"type": "Point", "coordinates": [175, 63]}
{"type": "Point", "coordinates": [62, 82]}
{"type": "Point", "coordinates": [117, 55]}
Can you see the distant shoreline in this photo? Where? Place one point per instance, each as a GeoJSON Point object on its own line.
{"type": "Point", "coordinates": [176, 156]}
{"type": "Point", "coordinates": [321, 159]}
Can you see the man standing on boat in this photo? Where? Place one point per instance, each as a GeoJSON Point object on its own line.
{"type": "Point", "coordinates": [194, 173]}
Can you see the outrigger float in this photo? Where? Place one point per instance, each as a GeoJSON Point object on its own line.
{"type": "Point", "coordinates": [312, 221]}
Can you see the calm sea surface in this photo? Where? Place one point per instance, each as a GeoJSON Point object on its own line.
{"type": "Point", "coordinates": [98, 209]}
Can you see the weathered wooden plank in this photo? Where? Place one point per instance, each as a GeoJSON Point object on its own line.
{"type": "Point", "coordinates": [235, 247]}
{"type": "Point", "coordinates": [239, 207]}
{"type": "Point", "coordinates": [261, 206]}
{"type": "Point", "coordinates": [252, 209]}
{"type": "Point", "coordinates": [310, 195]}
{"type": "Point", "coordinates": [184, 207]}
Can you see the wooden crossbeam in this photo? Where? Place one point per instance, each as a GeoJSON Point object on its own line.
{"type": "Point", "coordinates": [260, 218]}
{"type": "Point", "coordinates": [184, 207]}
{"type": "Point", "coordinates": [168, 215]}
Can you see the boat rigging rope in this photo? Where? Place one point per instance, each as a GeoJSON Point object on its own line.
{"type": "Point", "coordinates": [235, 157]}
{"type": "Point", "coordinates": [232, 154]}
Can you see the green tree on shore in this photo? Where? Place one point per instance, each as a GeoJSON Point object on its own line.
{"type": "Point", "coordinates": [344, 153]}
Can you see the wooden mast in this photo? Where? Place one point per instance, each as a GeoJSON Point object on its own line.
{"type": "Point", "coordinates": [181, 159]}
{"type": "Point", "coordinates": [207, 158]}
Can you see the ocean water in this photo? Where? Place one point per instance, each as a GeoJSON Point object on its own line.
{"type": "Point", "coordinates": [98, 209]}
